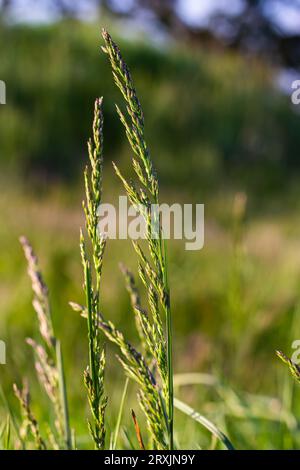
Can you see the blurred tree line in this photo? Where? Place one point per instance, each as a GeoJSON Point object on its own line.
{"type": "Point", "coordinates": [251, 26]}
{"type": "Point", "coordinates": [207, 115]}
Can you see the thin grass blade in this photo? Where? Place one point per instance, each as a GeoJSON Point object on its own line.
{"type": "Point", "coordinates": [184, 408]}
{"type": "Point", "coordinates": [117, 430]}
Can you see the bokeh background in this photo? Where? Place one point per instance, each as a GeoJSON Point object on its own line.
{"type": "Point", "coordinates": [214, 79]}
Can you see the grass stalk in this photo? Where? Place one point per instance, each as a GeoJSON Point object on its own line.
{"type": "Point", "coordinates": [8, 433]}
{"type": "Point", "coordinates": [48, 361]}
{"type": "Point", "coordinates": [144, 195]}
{"type": "Point", "coordinates": [170, 380]}
{"type": "Point", "coordinates": [117, 429]}
{"type": "Point", "coordinates": [63, 395]}
{"type": "Point", "coordinates": [12, 418]}
{"type": "Point", "coordinates": [94, 373]}
{"type": "Point", "coordinates": [30, 423]}
{"type": "Point", "coordinates": [170, 354]}
{"type": "Point", "coordinates": [87, 280]}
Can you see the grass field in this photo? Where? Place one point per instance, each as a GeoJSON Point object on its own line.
{"type": "Point", "coordinates": [234, 303]}
{"type": "Point", "coordinates": [231, 312]}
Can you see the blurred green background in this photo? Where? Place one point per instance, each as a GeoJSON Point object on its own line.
{"type": "Point", "coordinates": [223, 132]}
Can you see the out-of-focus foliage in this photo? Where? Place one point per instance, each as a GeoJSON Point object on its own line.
{"type": "Point", "coordinates": [208, 114]}
{"type": "Point", "coordinates": [263, 27]}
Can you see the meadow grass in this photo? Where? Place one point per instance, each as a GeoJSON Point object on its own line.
{"type": "Point", "coordinates": [150, 363]}
{"type": "Point", "coordinates": [48, 361]}
{"type": "Point", "coordinates": [151, 369]}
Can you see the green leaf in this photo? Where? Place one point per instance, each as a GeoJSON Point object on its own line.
{"type": "Point", "coordinates": [181, 406]}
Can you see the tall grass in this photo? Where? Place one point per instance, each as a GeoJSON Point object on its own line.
{"type": "Point", "coordinates": [150, 365]}
{"type": "Point", "coordinates": [94, 373]}
{"type": "Point", "coordinates": [152, 368]}
{"type": "Point", "coordinates": [48, 358]}
{"type": "Point", "coordinates": [142, 195]}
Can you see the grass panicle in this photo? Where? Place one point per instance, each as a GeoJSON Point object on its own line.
{"type": "Point", "coordinates": [41, 294]}
{"type": "Point", "coordinates": [294, 368]}
{"type": "Point", "coordinates": [30, 424]}
{"type": "Point", "coordinates": [48, 362]}
{"type": "Point", "coordinates": [137, 369]}
{"type": "Point", "coordinates": [150, 365]}
{"type": "Point", "coordinates": [144, 195]}
{"type": "Point", "coordinates": [94, 373]}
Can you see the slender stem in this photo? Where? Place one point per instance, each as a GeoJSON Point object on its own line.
{"type": "Point", "coordinates": [12, 417]}
{"type": "Point", "coordinates": [169, 346]}
{"type": "Point", "coordinates": [204, 421]}
{"type": "Point", "coordinates": [63, 395]}
{"type": "Point", "coordinates": [120, 415]}
{"type": "Point", "coordinates": [167, 308]}
{"type": "Point", "coordinates": [90, 322]}
{"type": "Point", "coordinates": [170, 376]}
{"type": "Point", "coordinates": [7, 442]}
